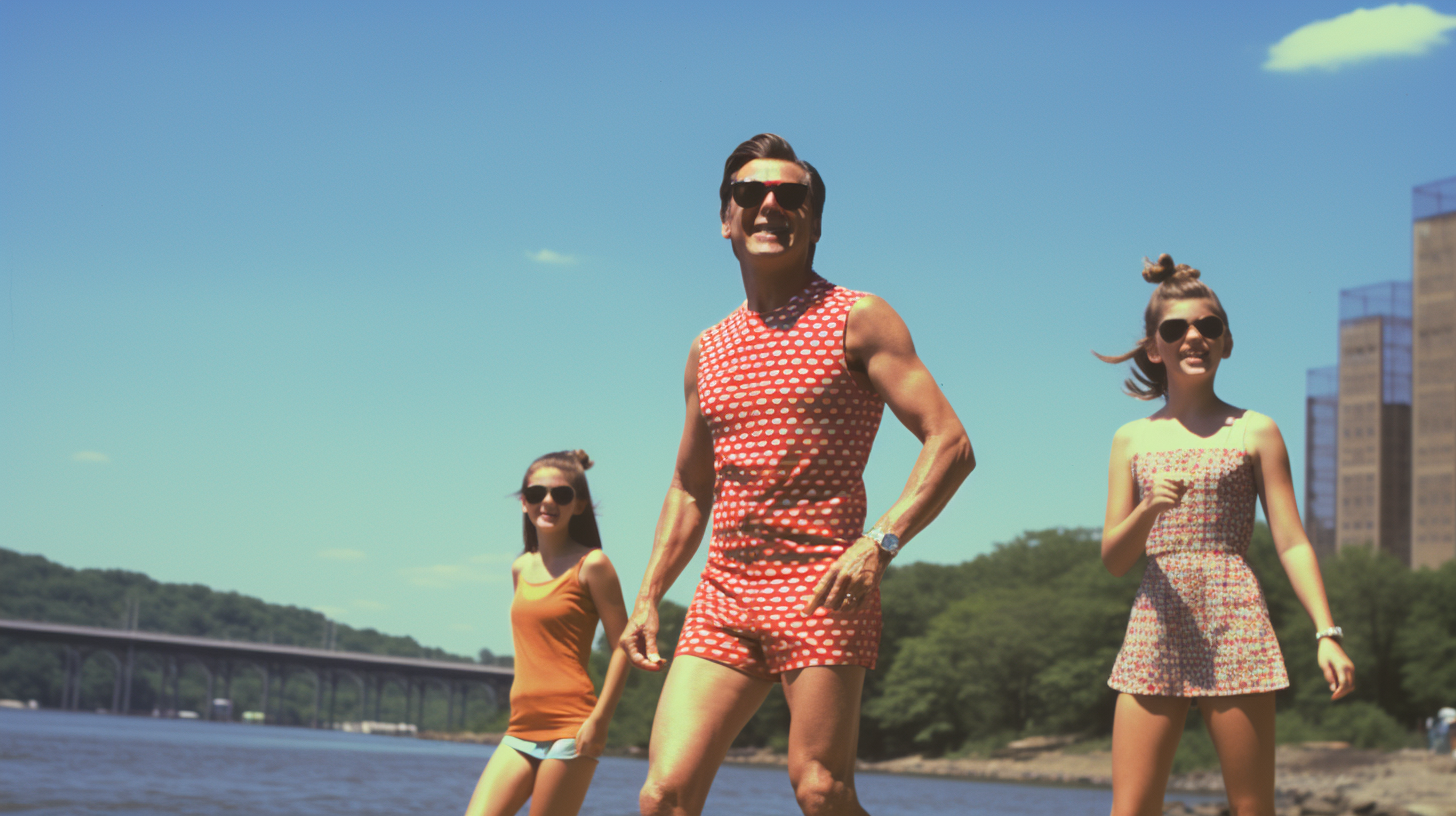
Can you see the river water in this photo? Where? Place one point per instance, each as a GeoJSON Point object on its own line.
{"type": "Point", "coordinates": [69, 764]}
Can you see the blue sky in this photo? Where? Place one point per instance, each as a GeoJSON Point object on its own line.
{"type": "Point", "coordinates": [290, 294]}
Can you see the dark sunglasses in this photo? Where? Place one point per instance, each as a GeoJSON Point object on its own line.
{"type": "Point", "coordinates": [535, 494]}
{"type": "Point", "coordinates": [1211, 327]}
{"type": "Point", "coordinates": [789, 194]}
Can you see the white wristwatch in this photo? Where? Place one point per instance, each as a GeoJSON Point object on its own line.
{"type": "Point", "coordinates": [1334, 632]}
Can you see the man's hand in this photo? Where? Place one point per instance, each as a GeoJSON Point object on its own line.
{"type": "Point", "coordinates": [639, 639]}
{"type": "Point", "coordinates": [849, 581]}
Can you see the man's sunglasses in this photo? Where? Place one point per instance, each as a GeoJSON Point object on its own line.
{"type": "Point", "coordinates": [535, 494]}
{"type": "Point", "coordinates": [1175, 329]}
{"type": "Point", "coordinates": [789, 194]}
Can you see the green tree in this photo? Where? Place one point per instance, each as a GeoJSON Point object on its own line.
{"type": "Point", "coordinates": [1026, 648]}
{"type": "Point", "coordinates": [1427, 644]}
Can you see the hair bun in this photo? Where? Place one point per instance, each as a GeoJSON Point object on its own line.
{"type": "Point", "coordinates": [1165, 269]}
{"type": "Point", "coordinates": [586, 461]}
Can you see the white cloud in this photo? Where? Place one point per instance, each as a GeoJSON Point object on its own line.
{"type": "Point", "coordinates": [94, 457]}
{"type": "Point", "coordinates": [341, 554]}
{"type": "Point", "coordinates": [547, 256]}
{"type": "Point", "coordinates": [1396, 30]}
{"type": "Point", "coordinates": [366, 603]}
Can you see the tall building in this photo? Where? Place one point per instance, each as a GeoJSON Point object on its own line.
{"type": "Point", "coordinates": [1433, 505]}
{"type": "Point", "coordinates": [1373, 473]}
{"type": "Point", "coordinates": [1321, 448]}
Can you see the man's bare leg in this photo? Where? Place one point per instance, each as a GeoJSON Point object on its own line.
{"type": "Point", "coordinates": [823, 737]}
{"type": "Point", "coordinates": [702, 708]}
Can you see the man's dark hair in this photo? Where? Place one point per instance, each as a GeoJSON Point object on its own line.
{"type": "Point", "coordinates": [769, 146]}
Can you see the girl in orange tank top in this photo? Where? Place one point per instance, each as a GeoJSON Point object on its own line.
{"type": "Point", "coordinates": [564, 584]}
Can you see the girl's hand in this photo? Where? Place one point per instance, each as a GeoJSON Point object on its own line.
{"type": "Point", "coordinates": [591, 738]}
{"type": "Point", "coordinates": [1167, 492]}
{"type": "Point", "coordinates": [1338, 668]}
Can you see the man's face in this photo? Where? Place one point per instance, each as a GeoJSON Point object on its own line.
{"type": "Point", "coordinates": [768, 229]}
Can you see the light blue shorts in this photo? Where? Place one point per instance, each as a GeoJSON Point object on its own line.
{"type": "Point", "coordinates": [551, 749]}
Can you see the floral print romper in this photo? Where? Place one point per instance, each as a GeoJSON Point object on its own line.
{"type": "Point", "coordinates": [1200, 626]}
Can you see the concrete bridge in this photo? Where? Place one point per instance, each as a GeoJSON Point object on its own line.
{"type": "Point", "coordinates": [218, 659]}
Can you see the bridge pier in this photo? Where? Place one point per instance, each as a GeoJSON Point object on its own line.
{"type": "Point", "coordinates": [126, 684]}
{"type": "Point", "coordinates": [70, 676]}
{"type": "Point", "coordinates": [227, 686]}
{"type": "Point", "coordinates": [333, 695]}
{"type": "Point", "coordinates": [267, 681]}
{"type": "Point", "coordinates": [116, 679]}
{"type": "Point", "coordinates": [318, 698]}
{"type": "Point", "coordinates": [282, 695]}
{"type": "Point", "coordinates": [169, 673]}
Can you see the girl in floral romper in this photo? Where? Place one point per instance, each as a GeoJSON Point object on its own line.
{"type": "Point", "coordinates": [1181, 490]}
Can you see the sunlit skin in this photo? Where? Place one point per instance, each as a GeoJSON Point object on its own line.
{"type": "Point", "coordinates": [558, 787]}
{"type": "Point", "coordinates": [1146, 728]}
{"type": "Point", "coordinates": [705, 704]}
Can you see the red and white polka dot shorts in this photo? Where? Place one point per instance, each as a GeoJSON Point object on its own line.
{"type": "Point", "coordinates": [746, 616]}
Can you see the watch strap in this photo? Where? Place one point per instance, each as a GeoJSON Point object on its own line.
{"type": "Point", "coordinates": [889, 542]}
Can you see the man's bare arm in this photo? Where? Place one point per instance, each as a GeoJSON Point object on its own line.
{"type": "Point", "coordinates": [680, 526]}
{"type": "Point", "coordinates": [878, 345]}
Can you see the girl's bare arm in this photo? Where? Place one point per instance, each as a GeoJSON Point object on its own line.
{"type": "Point", "coordinates": [606, 592]}
{"type": "Point", "coordinates": [1276, 491]}
{"type": "Point", "coordinates": [1128, 521]}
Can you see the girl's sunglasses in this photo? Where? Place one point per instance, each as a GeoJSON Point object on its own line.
{"type": "Point", "coordinates": [1175, 329]}
{"type": "Point", "coordinates": [789, 194]}
{"type": "Point", "coordinates": [535, 494]}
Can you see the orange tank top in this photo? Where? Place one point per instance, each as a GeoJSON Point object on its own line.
{"type": "Point", "coordinates": [552, 625]}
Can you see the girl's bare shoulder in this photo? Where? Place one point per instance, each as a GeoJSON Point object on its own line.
{"type": "Point", "coordinates": [1261, 432]}
{"type": "Point", "coordinates": [522, 561]}
{"type": "Point", "coordinates": [1133, 432]}
{"type": "Point", "coordinates": [1257, 421]}
{"type": "Point", "coordinates": [595, 565]}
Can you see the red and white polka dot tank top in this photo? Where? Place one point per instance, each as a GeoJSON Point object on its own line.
{"type": "Point", "coordinates": [791, 428]}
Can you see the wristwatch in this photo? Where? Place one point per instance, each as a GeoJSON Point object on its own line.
{"type": "Point", "coordinates": [1333, 632]}
{"type": "Point", "coordinates": [889, 542]}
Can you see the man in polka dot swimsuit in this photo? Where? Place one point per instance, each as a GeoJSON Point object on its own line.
{"type": "Point", "coordinates": [784, 397]}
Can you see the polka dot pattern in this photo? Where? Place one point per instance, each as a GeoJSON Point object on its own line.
{"type": "Point", "coordinates": [1199, 626]}
{"type": "Point", "coordinates": [792, 431]}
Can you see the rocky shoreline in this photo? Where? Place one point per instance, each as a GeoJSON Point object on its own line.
{"type": "Point", "coordinates": [1317, 779]}
{"type": "Point", "coordinates": [1312, 779]}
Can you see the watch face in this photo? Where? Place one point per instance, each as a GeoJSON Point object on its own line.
{"type": "Point", "coordinates": [891, 543]}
